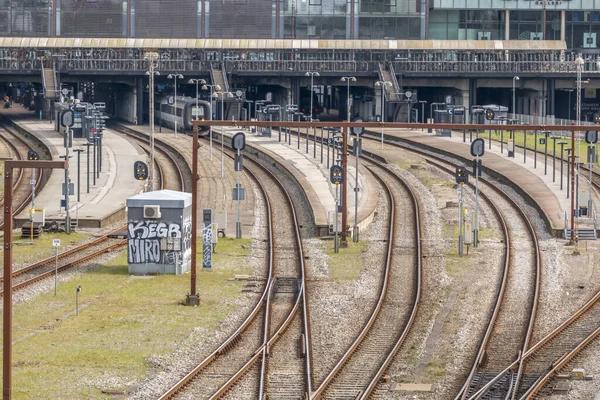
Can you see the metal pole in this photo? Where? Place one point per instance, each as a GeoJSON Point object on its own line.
{"type": "Point", "coordinates": [238, 223]}
{"type": "Point", "coordinates": [78, 175]}
{"type": "Point", "coordinates": [554, 160]}
{"type": "Point", "coordinates": [562, 145]}
{"type": "Point", "coordinates": [336, 245]}
{"type": "Point", "coordinates": [100, 153]}
{"type": "Point", "coordinates": [88, 166]}
{"type": "Point", "coordinates": [67, 215]}
{"type": "Point", "coordinates": [460, 229]}
{"type": "Point", "coordinates": [356, 189]}
{"type": "Point", "coordinates": [56, 271]}
{"type": "Point", "coordinates": [314, 142]}
{"type": "Point", "coordinates": [94, 160]}
{"type": "Point", "coordinates": [568, 171]}
{"type": "Point", "coordinates": [7, 307]}
{"type": "Point", "coordinates": [175, 116]}
{"type": "Point", "coordinates": [546, 154]}
{"type": "Point", "coordinates": [345, 185]}
{"type": "Point", "coordinates": [328, 147]}
{"type": "Point", "coordinates": [476, 227]}
{"type": "Point", "coordinates": [573, 239]}
{"type": "Point", "coordinates": [321, 145]}
{"type": "Point", "coordinates": [223, 135]}
{"type": "Point", "coordinates": [534, 149]}
{"type": "Point", "coordinates": [151, 126]}
{"type": "Point", "coordinates": [348, 106]}
{"type": "Point", "coordinates": [211, 116]}
{"type": "Point", "coordinates": [306, 139]}
{"type": "Point", "coordinates": [312, 75]}
{"type": "Point", "coordinates": [194, 298]}
{"type": "Point", "coordinates": [590, 203]}
{"type": "Point", "coordinates": [382, 111]}
{"type": "Point", "coordinates": [524, 146]}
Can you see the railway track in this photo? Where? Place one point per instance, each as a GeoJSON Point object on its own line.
{"type": "Point", "coordinates": [266, 342]}
{"type": "Point", "coordinates": [361, 367]}
{"type": "Point", "coordinates": [21, 187]}
{"type": "Point", "coordinates": [170, 172]}
{"type": "Point", "coordinates": [86, 252]}
{"type": "Point", "coordinates": [538, 363]}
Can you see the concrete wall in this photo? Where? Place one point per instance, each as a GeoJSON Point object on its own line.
{"type": "Point", "coordinates": [126, 107]}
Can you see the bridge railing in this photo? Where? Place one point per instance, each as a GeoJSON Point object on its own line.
{"type": "Point", "coordinates": [286, 66]}
{"type": "Point", "coordinates": [513, 67]}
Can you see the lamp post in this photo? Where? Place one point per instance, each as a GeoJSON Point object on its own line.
{"type": "Point", "coordinates": [216, 95]}
{"type": "Point", "coordinates": [175, 76]}
{"type": "Point", "coordinates": [151, 57]}
{"type": "Point", "coordinates": [579, 63]}
{"type": "Point", "coordinates": [312, 77]}
{"type": "Point", "coordinates": [382, 85]}
{"type": "Point", "coordinates": [514, 99]}
{"type": "Point", "coordinates": [348, 79]}
{"type": "Point", "coordinates": [211, 87]}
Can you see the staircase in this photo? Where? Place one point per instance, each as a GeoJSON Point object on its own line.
{"type": "Point", "coordinates": [582, 234]}
{"type": "Point", "coordinates": [391, 93]}
{"type": "Point", "coordinates": [49, 80]}
{"type": "Point", "coordinates": [219, 77]}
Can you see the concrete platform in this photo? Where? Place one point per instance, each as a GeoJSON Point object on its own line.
{"type": "Point", "coordinates": [313, 176]}
{"type": "Point", "coordinates": [530, 181]}
{"type": "Point", "coordinates": [105, 203]}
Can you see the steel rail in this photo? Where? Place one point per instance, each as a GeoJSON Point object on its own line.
{"type": "Point", "coordinates": [225, 346]}
{"type": "Point", "coordinates": [67, 266]}
{"type": "Point", "coordinates": [415, 204]}
{"type": "Point", "coordinates": [38, 184]}
{"type": "Point", "coordinates": [535, 301]}
{"type": "Point", "coordinates": [301, 299]}
{"type": "Point", "coordinates": [382, 294]}
{"type": "Point", "coordinates": [530, 394]}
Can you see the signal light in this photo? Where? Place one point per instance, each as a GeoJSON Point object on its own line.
{"type": "Point", "coordinates": [140, 171]}
{"type": "Point", "coordinates": [462, 176]}
{"type": "Point", "coordinates": [32, 156]}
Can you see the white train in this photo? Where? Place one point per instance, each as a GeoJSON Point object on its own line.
{"type": "Point", "coordinates": [166, 114]}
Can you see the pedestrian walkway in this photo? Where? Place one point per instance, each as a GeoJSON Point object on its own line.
{"type": "Point", "coordinates": [101, 205]}
{"type": "Point", "coordinates": [527, 174]}
{"type": "Point", "coordinates": [304, 163]}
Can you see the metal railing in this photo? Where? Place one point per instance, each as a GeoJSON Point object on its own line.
{"type": "Point", "coordinates": [283, 66]}
{"type": "Point", "coordinates": [512, 67]}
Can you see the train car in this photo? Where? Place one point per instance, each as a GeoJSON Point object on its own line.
{"type": "Point", "coordinates": [166, 114]}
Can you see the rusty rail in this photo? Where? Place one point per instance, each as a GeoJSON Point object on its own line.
{"type": "Point", "coordinates": [382, 294]}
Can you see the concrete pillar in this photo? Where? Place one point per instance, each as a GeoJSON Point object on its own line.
{"type": "Point", "coordinates": [139, 100]}
{"type": "Point", "coordinates": [466, 101]}
{"type": "Point", "coordinates": [563, 18]}
{"type": "Point", "coordinates": [472, 98]}
{"type": "Point", "coordinates": [507, 25]}
{"type": "Point", "coordinates": [551, 98]}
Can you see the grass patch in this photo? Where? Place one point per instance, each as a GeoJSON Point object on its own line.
{"type": "Point", "coordinates": [42, 247]}
{"type": "Point", "coordinates": [435, 370]}
{"type": "Point", "coordinates": [346, 264]}
{"type": "Point", "coordinates": [530, 143]}
{"type": "Point", "coordinates": [115, 337]}
{"type": "Point", "coordinates": [486, 233]}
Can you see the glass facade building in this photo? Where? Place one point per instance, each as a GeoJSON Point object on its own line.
{"type": "Point", "coordinates": [577, 22]}
{"type": "Point", "coordinates": [243, 19]}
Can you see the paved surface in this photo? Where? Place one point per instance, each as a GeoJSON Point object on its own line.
{"type": "Point", "coordinates": [537, 185]}
{"type": "Point", "coordinates": [105, 202]}
{"type": "Point", "coordinates": [313, 175]}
